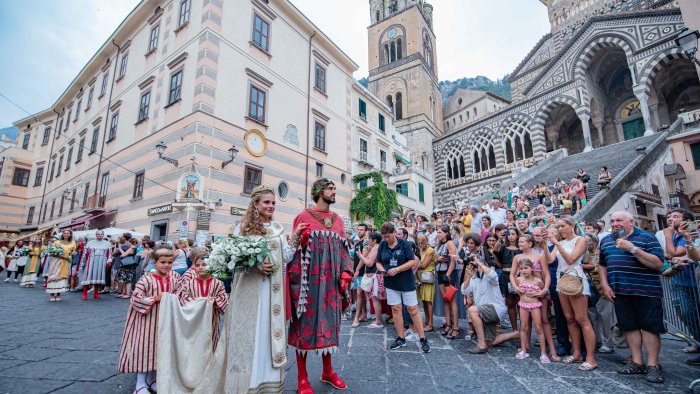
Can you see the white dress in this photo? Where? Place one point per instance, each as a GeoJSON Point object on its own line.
{"type": "Point", "coordinates": [569, 246]}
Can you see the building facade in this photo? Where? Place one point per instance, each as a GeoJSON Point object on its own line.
{"type": "Point", "coordinates": [608, 71]}
{"type": "Point", "coordinates": [143, 137]}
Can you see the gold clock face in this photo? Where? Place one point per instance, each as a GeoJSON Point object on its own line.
{"type": "Point", "coordinates": [255, 142]}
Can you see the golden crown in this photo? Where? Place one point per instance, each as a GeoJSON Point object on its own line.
{"type": "Point", "coordinates": [262, 189]}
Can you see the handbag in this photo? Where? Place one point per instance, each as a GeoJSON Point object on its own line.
{"type": "Point", "coordinates": [570, 283]}
{"type": "Point", "coordinates": [427, 277]}
{"type": "Point", "coordinates": [127, 261]}
{"type": "Point", "coordinates": [366, 283]}
{"type": "Point", "coordinates": [450, 293]}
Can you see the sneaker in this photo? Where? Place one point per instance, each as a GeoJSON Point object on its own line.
{"type": "Point", "coordinates": [398, 343]}
{"type": "Point", "coordinates": [6, 280]}
{"type": "Point", "coordinates": [605, 350]}
{"type": "Point", "coordinates": [693, 361]}
{"type": "Point", "coordinates": [654, 375]}
{"type": "Point", "coordinates": [16, 280]}
{"type": "Point", "coordinates": [412, 337]}
{"type": "Point", "coordinates": [424, 346]}
{"type": "Point", "coordinates": [374, 325]}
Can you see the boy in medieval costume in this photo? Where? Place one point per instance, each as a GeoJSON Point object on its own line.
{"type": "Point", "coordinates": [319, 276]}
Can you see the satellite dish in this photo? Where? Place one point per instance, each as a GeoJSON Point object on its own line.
{"type": "Point", "coordinates": [392, 179]}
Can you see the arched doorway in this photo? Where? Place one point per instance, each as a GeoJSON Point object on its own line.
{"type": "Point", "coordinates": [675, 89]}
{"type": "Point", "coordinates": [563, 129]}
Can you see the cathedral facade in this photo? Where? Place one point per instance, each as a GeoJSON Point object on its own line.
{"type": "Point", "coordinates": [608, 71]}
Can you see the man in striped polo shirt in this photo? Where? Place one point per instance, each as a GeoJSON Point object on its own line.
{"type": "Point", "coordinates": [629, 276]}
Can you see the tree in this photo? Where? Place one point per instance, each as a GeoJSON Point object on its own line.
{"type": "Point", "coordinates": [376, 201]}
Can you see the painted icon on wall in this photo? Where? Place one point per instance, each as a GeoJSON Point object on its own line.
{"type": "Point", "coordinates": [190, 187]}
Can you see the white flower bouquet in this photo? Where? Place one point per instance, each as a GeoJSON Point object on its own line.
{"type": "Point", "coordinates": [23, 251]}
{"type": "Point", "coordinates": [237, 254]}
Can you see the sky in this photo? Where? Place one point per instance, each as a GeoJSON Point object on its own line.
{"type": "Point", "coordinates": [45, 43]}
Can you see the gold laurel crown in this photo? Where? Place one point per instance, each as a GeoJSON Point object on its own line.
{"type": "Point", "coordinates": [263, 188]}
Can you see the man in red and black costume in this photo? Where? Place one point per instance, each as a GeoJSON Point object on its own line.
{"type": "Point", "coordinates": [319, 276]}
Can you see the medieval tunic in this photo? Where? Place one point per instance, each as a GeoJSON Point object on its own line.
{"type": "Point", "coordinates": [314, 281]}
{"type": "Point", "coordinates": [138, 348]}
{"type": "Point", "coordinates": [212, 289]}
{"type": "Point", "coordinates": [59, 268]}
{"type": "Point", "coordinates": [93, 264]}
{"type": "Point", "coordinates": [32, 268]}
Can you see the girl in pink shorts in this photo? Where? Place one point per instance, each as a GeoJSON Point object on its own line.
{"type": "Point", "coordinates": [527, 284]}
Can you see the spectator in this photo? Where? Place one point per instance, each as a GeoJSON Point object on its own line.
{"type": "Point", "coordinates": [446, 263]}
{"type": "Point", "coordinates": [431, 234]}
{"type": "Point", "coordinates": [604, 177]}
{"type": "Point", "coordinates": [583, 177]}
{"type": "Point", "coordinates": [579, 191]}
{"type": "Point", "coordinates": [497, 212]}
{"type": "Point", "coordinates": [629, 268]}
{"type": "Point", "coordinates": [482, 282]}
{"type": "Point", "coordinates": [486, 227]}
{"type": "Point", "coordinates": [466, 219]}
{"type": "Point", "coordinates": [601, 312]}
{"type": "Point", "coordinates": [505, 251]}
{"type": "Point", "coordinates": [477, 224]}
{"type": "Point", "coordinates": [426, 278]}
{"type": "Point", "coordinates": [371, 270]}
{"type": "Point", "coordinates": [523, 226]}
{"type": "Point", "coordinates": [361, 249]}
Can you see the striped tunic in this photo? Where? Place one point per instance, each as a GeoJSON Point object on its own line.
{"type": "Point", "coordinates": [138, 348]}
{"type": "Point", "coordinates": [93, 264]}
{"type": "Point", "coordinates": [211, 288]}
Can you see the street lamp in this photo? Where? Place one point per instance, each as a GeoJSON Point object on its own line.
{"type": "Point", "coordinates": [160, 148]}
{"type": "Point", "coordinates": [232, 152]}
{"type": "Point", "coordinates": [66, 196]}
{"type": "Point", "coordinates": [688, 41]}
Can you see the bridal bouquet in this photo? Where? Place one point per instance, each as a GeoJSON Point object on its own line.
{"type": "Point", "coordinates": [237, 254]}
{"type": "Point", "coordinates": [23, 251]}
{"type": "Point", "coordinates": [54, 251]}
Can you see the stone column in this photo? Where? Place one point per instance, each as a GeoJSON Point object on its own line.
{"type": "Point", "coordinates": [644, 106]}
{"type": "Point", "coordinates": [585, 118]}
{"type": "Point", "coordinates": [599, 125]}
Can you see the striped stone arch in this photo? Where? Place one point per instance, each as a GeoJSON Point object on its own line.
{"type": "Point", "coordinates": [545, 110]}
{"type": "Point", "coordinates": [661, 60]}
{"type": "Point", "coordinates": [480, 145]}
{"type": "Point", "coordinates": [522, 121]}
{"type": "Point", "coordinates": [585, 54]}
{"type": "Point", "coordinates": [445, 153]}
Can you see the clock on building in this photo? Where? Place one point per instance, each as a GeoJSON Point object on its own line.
{"type": "Point", "coordinates": [391, 33]}
{"type": "Point", "coordinates": [255, 142]}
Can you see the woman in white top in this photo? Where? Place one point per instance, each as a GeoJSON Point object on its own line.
{"type": "Point", "coordinates": [181, 253]}
{"type": "Point", "coordinates": [569, 253]}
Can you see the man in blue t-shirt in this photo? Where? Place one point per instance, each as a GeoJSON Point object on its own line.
{"type": "Point", "coordinates": [630, 260]}
{"type": "Point", "coordinates": [395, 260]}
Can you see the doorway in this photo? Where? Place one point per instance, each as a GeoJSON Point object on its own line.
{"type": "Point", "coordinates": [159, 230]}
{"type": "Point", "coordinates": [633, 129]}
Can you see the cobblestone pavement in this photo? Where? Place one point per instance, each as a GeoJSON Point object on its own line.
{"type": "Point", "coordinates": [72, 347]}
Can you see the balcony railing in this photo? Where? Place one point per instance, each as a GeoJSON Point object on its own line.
{"type": "Point", "coordinates": [95, 203]}
{"type": "Point", "coordinates": [363, 156]}
{"type": "Point", "coordinates": [383, 166]}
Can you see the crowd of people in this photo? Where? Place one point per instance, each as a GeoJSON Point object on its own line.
{"type": "Point", "coordinates": [591, 287]}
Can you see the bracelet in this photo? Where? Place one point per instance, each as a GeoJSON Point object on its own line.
{"type": "Point", "coordinates": [295, 240]}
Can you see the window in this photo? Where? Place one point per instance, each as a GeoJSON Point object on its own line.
{"type": "Point", "coordinates": [382, 157]}
{"type": "Point", "coordinates": [81, 147]}
{"type": "Point", "coordinates": [256, 104]}
{"type": "Point", "coordinates": [382, 126]}
{"type": "Point", "coordinates": [175, 87]}
{"type": "Point", "coordinates": [47, 135]}
{"type": "Point", "coordinates": [113, 127]}
{"type": "Point", "coordinates": [103, 188]}
{"type": "Point", "coordinates": [143, 107]}
{"type": "Point", "coordinates": [363, 184]}
{"type": "Point", "coordinates": [399, 106]}
{"type": "Point", "coordinates": [38, 176]}
{"type": "Point", "coordinates": [30, 215]}
{"type": "Point", "coordinates": [421, 193]}
{"type": "Point", "coordinates": [53, 206]}
{"type": "Point", "coordinates": [455, 165]}
{"type": "Point", "coordinates": [60, 207]}
{"type": "Point", "coordinates": [25, 142]}
{"type": "Point", "coordinates": [184, 13]}
{"type": "Point", "coordinates": [320, 79]}
{"type": "Point", "coordinates": [21, 177]}
{"type": "Point", "coordinates": [319, 136]}
{"type": "Point", "coordinates": [53, 167]}
{"type": "Point", "coordinates": [138, 185]}
{"type": "Point", "coordinates": [46, 209]}
{"type": "Point", "coordinates": [95, 137]}
{"type": "Point", "coordinates": [253, 178]}
{"type": "Point", "coordinates": [153, 41]}
{"type": "Point", "coordinates": [695, 151]}
{"type": "Point", "coordinates": [58, 130]}
{"type": "Point", "coordinates": [60, 164]}
{"type": "Point", "coordinates": [105, 79]}
{"type": "Point", "coordinates": [89, 99]}
{"type": "Point", "coordinates": [363, 109]}
{"type": "Point", "coordinates": [261, 32]}
{"type": "Point", "coordinates": [67, 119]}
{"type": "Point", "coordinates": [122, 66]}
{"type": "Point", "coordinates": [402, 188]}
{"type": "Point", "coordinates": [319, 170]}
{"type": "Point", "coordinates": [77, 110]}
{"type": "Point", "coordinates": [69, 157]}
{"type": "Point", "coordinates": [72, 200]}
{"type": "Point", "coordinates": [86, 193]}
{"type": "Point", "coordinates": [363, 149]}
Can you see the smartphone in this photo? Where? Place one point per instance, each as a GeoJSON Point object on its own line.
{"type": "Point", "coordinates": [692, 226]}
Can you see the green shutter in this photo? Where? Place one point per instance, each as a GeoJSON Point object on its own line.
{"type": "Point", "coordinates": [695, 150]}
{"type": "Point", "coordinates": [363, 109]}
{"type": "Point", "coordinates": [381, 123]}
{"type": "Point", "coordinates": [421, 193]}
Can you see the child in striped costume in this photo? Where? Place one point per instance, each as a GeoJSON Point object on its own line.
{"type": "Point", "coordinates": [138, 348]}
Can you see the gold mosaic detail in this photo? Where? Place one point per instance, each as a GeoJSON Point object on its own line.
{"type": "Point", "coordinates": [278, 333]}
{"type": "Point", "coordinates": [274, 245]}
{"type": "Point", "coordinates": [276, 309]}
{"type": "Point", "coordinates": [276, 287]}
{"type": "Point", "coordinates": [279, 357]}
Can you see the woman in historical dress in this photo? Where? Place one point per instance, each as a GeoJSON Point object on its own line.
{"type": "Point", "coordinates": [30, 272]}
{"type": "Point", "coordinates": [137, 353]}
{"type": "Point", "coordinates": [59, 267]}
{"type": "Point", "coordinates": [255, 340]}
{"type": "Point", "coordinates": [93, 264]}
{"type": "Point", "coordinates": [13, 264]}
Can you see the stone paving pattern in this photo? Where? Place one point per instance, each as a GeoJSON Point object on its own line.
{"type": "Point", "coordinates": [72, 347]}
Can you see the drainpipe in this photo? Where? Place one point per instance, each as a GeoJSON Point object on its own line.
{"type": "Point", "coordinates": [104, 133]}
{"type": "Point", "coordinates": [308, 126]}
{"type": "Point", "coordinates": [48, 167]}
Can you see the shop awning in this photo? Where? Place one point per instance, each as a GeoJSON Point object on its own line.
{"type": "Point", "coordinates": [82, 220]}
{"type": "Point", "coordinates": [403, 159]}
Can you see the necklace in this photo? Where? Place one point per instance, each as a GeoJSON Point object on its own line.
{"type": "Point", "coordinates": [327, 222]}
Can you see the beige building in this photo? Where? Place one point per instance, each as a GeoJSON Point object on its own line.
{"type": "Point", "coordinates": [378, 146]}
{"type": "Point", "coordinates": [142, 138]}
{"type": "Point", "coordinates": [467, 106]}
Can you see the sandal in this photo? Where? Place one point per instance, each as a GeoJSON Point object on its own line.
{"type": "Point", "coordinates": [446, 331]}
{"type": "Point", "coordinates": [522, 355]}
{"type": "Point", "coordinates": [428, 328]}
{"type": "Point", "coordinates": [553, 357]}
{"type": "Point", "coordinates": [692, 349]}
{"type": "Point", "coordinates": [453, 334]}
{"type": "Point", "coordinates": [544, 359]}
{"type": "Point", "coordinates": [475, 349]}
{"type": "Point", "coordinates": [586, 367]}
{"type": "Point", "coordinates": [355, 324]}
{"type": "Point", "coordinates": [632, 369]}
{"type": "Point", "coordinates": [571, 360]}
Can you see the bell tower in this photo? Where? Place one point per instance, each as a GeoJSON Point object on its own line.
{"type": "Point", "coordinates": [403, 71]}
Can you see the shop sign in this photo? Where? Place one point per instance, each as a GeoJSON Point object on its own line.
{"type": "Point", "coordinates": [203, 219]}
{"type": "Point", "coordinates": [161, 209]}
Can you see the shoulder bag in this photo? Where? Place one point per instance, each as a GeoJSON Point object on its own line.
{"type": "Point", "coordinates": [427, 277]}
{"type": "Point", "coordinates": [570, 283]}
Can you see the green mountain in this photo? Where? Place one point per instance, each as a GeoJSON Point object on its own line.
{"type": "Point", "coordinates": [500, 87]}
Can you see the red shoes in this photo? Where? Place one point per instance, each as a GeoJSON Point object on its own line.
{"type": "Point", "coordinates": [85, 290]}
{"type": "Point", "coordinates": [333, 379]}
{"type": "Point", "coordinates": [305, 387]}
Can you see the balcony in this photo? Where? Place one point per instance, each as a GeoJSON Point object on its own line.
{"type": "Point", "coordinates": [95, 203]}
{"type": "Point", "coordinates": [383, 167]}
{"type": "Point", "coordinates": [363, 160]}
